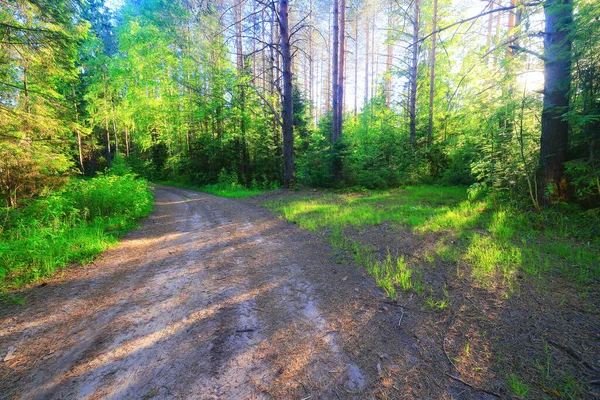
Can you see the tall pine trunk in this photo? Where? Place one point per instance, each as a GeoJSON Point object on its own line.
{"type": "Point", "coordinates": [367, 30]}
{"type": "Point", "coordinates": [356, 65]}
{"type": "Point", "coordinates": [342, 64]}
{"type": "Point", "coordinates": [335, 69]}
{"type": "Point", "coordinates": [414, 69]}
{"type": "Point", "coordinates": [557, 77]}
{"type": "Point", "coordinates": [288, 102]}
{"type": "Point", "coordinates": [432, 74]}
{"type": "Point", "coordinates": [388, 63]}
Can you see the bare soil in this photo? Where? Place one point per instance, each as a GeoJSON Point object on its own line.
{"type": "Point", "coordinates": [217, 298]}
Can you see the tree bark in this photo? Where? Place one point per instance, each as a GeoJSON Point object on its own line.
{"type": "Point", "coordinates": [414, 69]}
{"type": "Point", "coordinates": [107, 131]}
{"type": "Point", "coordinates": [289, 174]}
{"type": "Point", "coordinates": [557, 77]}
{"type": "Point", "coordinates": [368, 30]}
{"type": "Point", "coordinates": [335, 70]}
{"type": "Point", "coordinates": [79, 146]}
{"type": "Point", "coordinates": [339, 40]}
{"type": "Point", "coordinates": [373, 51]}
{"type": "Point", "coordinates": [488, 44]}
{"type": "Point", "coordinates": [342, 64]}
{"type": "Point", "coordinates": [432, 75]}
{"type": "Point", "coordinates": [356, 66]}
{"type": "Point", "coordinates": [388, 63]}
{"type": "Point", "coordinates": [310, 62]}
{"type": "Point", "coordinates": [244, 159]}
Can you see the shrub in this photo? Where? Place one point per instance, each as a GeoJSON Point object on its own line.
{"type": "Point", "coordinates": [73, 224]}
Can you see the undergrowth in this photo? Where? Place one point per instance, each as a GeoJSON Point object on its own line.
{"type": "Point", "coordinates": [229, 190]}
{"type": "Point", "coordinates": [229, 186]}
{"type": "Point", "coordinates": [74, 224]}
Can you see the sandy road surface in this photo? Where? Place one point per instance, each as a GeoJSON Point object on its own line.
{"type": "Point", "coordinates": [212, 299]}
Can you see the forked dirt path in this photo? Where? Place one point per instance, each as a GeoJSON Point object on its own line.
{"type": "Point", "coordinates": [215, 299]}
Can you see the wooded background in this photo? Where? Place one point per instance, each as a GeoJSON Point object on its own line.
{"type": "Point", "coordinates": [503, 96]}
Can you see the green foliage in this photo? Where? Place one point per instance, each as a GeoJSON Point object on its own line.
{"type": "Point", "coordinates": [498, 244]}
{"type": "Point", "coordinates": [378, 154]}
{"type": "Point", "coordinates": [70, 225]}
{"type": "Point", "coordinates": [518, 387]}
{"type": "Point", "coordinates": [37, 57]}
{"type": "Point", "coordinates": [228, 186]}
{"type": "Point", "coordinates": [315, 162]}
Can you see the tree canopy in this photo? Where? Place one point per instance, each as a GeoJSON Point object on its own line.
{"type": "Point", "coordinates": [503, 97]}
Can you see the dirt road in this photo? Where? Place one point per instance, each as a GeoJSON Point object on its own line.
{"type": "Point", "coordinates": [215, 299]}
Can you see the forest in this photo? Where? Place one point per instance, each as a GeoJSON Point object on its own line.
{"type": "Point", "coordinates": [449, 149]}
{"type": "Point", "coordinates": [502, 97]}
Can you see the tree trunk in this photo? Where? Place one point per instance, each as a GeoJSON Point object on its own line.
{"type": "Point", "coordinates": [339, 40]}
{"type": "Point", "coordinates": [243, 167]}
{"type": "Point", "coordinates": [368, 30]}
{"type": "Point", "coordinates": [488, 44]}
{"type": "Point", "coordinates": [329, 88]}
{"type": "Point", "coordinates": [79, 146]}
{"type": "Point", "coordinates": [388, 63]}
{"type": "Point", "coordinates": [356, 66]}
{"type": "Point", "coordinates": [288, 102]}
{"type": "Point", "coordinates": [557, 78]}
{"type": "Point", "coordinates": [342, 64]}
{"type": "Point", "coordinates": [115, 128]}
{"type": "Point", "coordinates": [335, 69]}
{"type": "Point", "coordinates": [373, 51]}
{"type": "Point", "coordinates": [432, 75]}
{"type": "Point", "coordinates": [414, 69]}
{"type": "Point", "coordinates": [107, 131]}
{"type": "Point", "coordinates": [310, 62]}
{"type": "Point", "coordinates": [127, 141]}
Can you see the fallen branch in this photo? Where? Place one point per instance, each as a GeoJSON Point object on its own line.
{"type": "Point", "coordinates": [402, 316]}
{"type": "Point", "coordinates": [472, 386]}
{"type": "Point", "coordinates": [446, 354]}
{"type": "Point", "coordinates": [566, 349]}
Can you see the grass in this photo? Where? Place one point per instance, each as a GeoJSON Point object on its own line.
{"type": "Point", "coordinates": [441, 304]}
{"type": "Point", "coordinates": [74, 224]}
{"type": "Point", "coordinates": [490, 247]}
{"type": "Point", "coordinates": [494, 243]}
{"type": "Point", "coordinates": [518, 387]}
{"type": "Point", "coordinates": [229, 190]}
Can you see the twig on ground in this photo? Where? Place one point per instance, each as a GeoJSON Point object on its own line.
{"type": "Point", "coordinates": [473, 387]}
{"type": "Point", "coordinates": [446, 353]}
{"type": "Point", "coordinates": [402, 316]}
{"type": "Point", "coordinates": [565, 348]}
{"type": "Point", "coordinates": [244, 330]}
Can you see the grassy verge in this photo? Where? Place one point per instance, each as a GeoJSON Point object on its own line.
{"type": "Point", "coordinates": [229, 190]}
{"type": "Point", "coordinates": [495, 243]}
{"type": "Point", "coordinates": [74, 224]}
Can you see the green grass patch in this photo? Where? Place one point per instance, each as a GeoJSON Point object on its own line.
{"type": "Point", "coordinates": [518, 387]}
{"type": "Point", "coordinates": [494, 242]}
{"type": "Point", "coordinates": [229, 190]}
{"type": "Point", "coordinates": [74, 224]}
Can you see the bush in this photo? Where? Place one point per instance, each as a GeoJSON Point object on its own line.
{"type": "Point", "coordinates": [73, 224]}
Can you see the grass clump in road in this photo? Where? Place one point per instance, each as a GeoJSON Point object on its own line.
{"type": "Point", "coordinates": [73, 224]}
{"type": "Point", "coordinates": [493, 242]}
